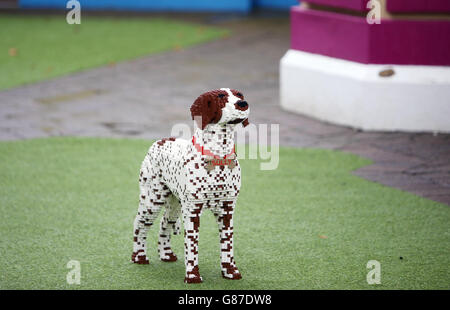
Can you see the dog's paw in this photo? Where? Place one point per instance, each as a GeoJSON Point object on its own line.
{"type": "Point", "coordinates": [139, 257]}
{"type": "Point", "coordinates": [170, 257]}
{"type": "Point", "coordinates": [193, 276]}
{"type": "Point", "coordinates": [191, 279]}
{"type": "Point", "coordinates": [230, 272]}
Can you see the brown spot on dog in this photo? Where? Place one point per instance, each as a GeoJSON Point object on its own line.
{"type": "Point", "coordinates": [196, 278]}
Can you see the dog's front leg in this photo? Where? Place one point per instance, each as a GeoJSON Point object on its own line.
{"type": "Point", "coordinates": [191, 219]}
{"type": "Point", "coordinates": [224, 219]}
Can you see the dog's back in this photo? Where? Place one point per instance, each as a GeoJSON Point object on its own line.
{"type": "Point", "coordinates": [168, 158]}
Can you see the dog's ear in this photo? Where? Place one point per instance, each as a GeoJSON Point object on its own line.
{"type": "Point", "coordinates": [206, 109]}
{"type": "Point", "coordinates": [245, 123]}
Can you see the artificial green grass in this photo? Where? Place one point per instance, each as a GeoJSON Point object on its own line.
{"type": "Point", "coordinates": [34, 48]}
{"type": "Point", "coordinates": [310, 224]}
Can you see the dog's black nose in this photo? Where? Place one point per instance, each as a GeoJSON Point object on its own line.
{"type": "Point", "coordinates": [242, 104]}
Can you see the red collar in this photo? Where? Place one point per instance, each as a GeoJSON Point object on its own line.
{"type": "Point", "coordinates": [202, 150]}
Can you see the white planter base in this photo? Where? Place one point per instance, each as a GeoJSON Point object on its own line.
{"type": "Point", "coordinates": [414, 98]}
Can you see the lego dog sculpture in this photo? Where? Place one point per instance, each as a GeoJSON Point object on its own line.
{"type": "Point", "coordinates": [186, 177]}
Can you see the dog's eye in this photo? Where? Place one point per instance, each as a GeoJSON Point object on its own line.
{"type": "Point", "coordinates": [221, 95]}
{"type": "Point", "coordinates": [239, 95]}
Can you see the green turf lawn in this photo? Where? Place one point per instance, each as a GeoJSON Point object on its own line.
{"type": "Point", "coordinates": [36, 48]}
{"type": "Point", "coordinates": [310, 224]}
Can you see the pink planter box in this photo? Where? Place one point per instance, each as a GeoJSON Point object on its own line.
{"type": "Point", "coordinates": [418, 6]}
{"type": "Point", "coordinates": [348, 37]}
{"type": "Point", "coordinates": [357, 5]}
{"type": "Point", "coordinates": [394, 6]}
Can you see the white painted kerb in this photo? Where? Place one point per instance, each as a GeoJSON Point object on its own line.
{"type": "Point", "coordinates": [415, 98]}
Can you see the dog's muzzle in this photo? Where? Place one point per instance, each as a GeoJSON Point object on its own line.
{"type": "Point", "coordinates": [236, 121]}
{"type": "Point", "coordinates": [241, 105]}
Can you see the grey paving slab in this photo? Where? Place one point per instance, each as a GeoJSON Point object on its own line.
{"type": "Point", "coordinates": [145, 97]}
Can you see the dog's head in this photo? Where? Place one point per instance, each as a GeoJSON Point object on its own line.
{"type": "Point", "coordinates": [222, 106]}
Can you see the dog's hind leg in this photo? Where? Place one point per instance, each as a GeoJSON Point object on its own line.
{"type": "Point", "coordinates": [169, 224]}
{"type": "Point", "coordinates": [150, 202]}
